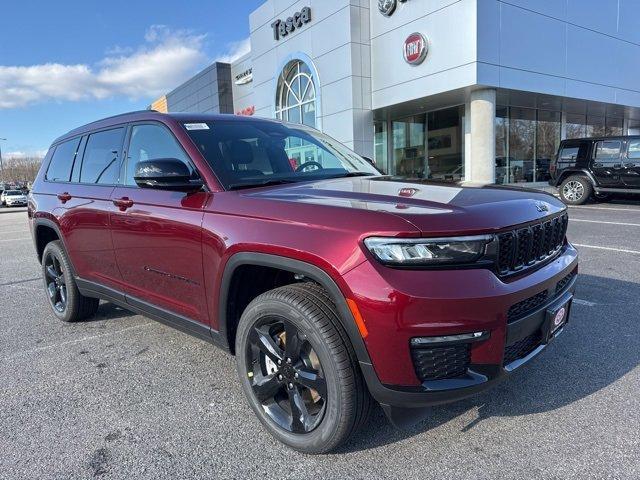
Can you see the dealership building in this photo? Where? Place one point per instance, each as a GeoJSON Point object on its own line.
{"type": "Point", "coordinates": [478, 90]}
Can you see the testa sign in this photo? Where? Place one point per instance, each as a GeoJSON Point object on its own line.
{"type": "Point", "coordinates": [282, 28]}
{"type": "Point", "coordinates": [415, 49]}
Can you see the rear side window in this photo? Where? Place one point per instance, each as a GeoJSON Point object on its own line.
{"type": "Point", "coordinates": [62, 161]}
{"type": "Point", "coordinates": [607, 151]}
{"type": "Point", "coordinates": [100, 161]}
{"type": "Point", "coordinates": [569, 154]}
{"type": "Point", "coordinates": [634, 149]}
{"type": "Point", "coordinates": [572, 152]}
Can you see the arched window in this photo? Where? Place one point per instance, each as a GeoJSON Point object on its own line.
{"type": "Point", "coordinates": [296, 94]}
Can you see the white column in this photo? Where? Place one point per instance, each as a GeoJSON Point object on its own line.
{"type": "Point", "coordinates": [483, 136]}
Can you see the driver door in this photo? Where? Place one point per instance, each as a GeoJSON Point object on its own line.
{"type": "Point", "coordinates": [157, 234]}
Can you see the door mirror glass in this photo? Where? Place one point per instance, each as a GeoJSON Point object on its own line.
{"type": "Point", "coordinates": [166, 174]}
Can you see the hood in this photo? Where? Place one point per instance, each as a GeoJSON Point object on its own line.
{"type": "Point", "coordinates": [433, 208]}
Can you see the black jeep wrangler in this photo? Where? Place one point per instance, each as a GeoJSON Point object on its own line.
{"type": "Point", "coordinates": [596, 168]}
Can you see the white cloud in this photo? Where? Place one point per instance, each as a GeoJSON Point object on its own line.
{"type": "Point", "coordinates": [23, 154]}
{"type": "Point", "coordinates": [235, 51]}
{"type": "Point", "coordinates": [164, 61]}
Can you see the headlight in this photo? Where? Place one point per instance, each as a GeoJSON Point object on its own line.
{"type": "Point", "coordinates": [428, 251]}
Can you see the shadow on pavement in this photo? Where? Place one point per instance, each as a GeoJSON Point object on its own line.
{"type": "Point", "coordinates": [599, 346]}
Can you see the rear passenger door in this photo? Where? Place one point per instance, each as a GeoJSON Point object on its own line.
{"type": "Point", "coordinates": [606, 163]}
{"type": "Point", "coordinates": [157, 235]}
{"type": "Point", "coordinates": [631, 172]}
{"type": "Point", "coordinates": [84, 204]}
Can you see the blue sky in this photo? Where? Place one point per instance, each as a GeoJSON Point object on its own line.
{"type": "Point", "coordinates": [66, 63]}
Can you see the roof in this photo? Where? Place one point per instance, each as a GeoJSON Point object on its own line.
{"type": "Point", "coordinates": [141, 115]}
{"type": "Point", "coordinates": [591, 139]}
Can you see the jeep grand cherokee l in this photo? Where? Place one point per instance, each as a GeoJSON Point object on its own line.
{"type": "Point", "coordinates": [333, 285]}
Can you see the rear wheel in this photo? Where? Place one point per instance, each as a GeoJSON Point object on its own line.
{"type": "Point", "coordinates": [298, 369]}
{"type": "Point", "coordinates": [67, 303]}
{"type": "Point", "coordinates": [575, 190]}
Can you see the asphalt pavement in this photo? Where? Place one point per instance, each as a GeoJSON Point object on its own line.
{"type": "Point", "coordinates": [124, 397]}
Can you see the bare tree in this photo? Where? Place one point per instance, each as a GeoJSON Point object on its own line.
{"type": "Point", "coordinates": [21, 170]}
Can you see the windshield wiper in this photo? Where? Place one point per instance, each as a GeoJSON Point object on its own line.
{"type": "Point", "coordinates": [263, 183]}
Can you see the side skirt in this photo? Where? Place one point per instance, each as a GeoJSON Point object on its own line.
{"type": "Point", "coordinates": [141, 307]}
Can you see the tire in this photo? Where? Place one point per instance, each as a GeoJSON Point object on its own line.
{"type": "Point", "coordinates": [67, 303]}
{"type": "Point", "coordinates": [575, 190]}
{"type": "Point", "coordinates": [341, 404]}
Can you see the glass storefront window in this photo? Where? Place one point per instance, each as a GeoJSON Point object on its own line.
{"type": "Point", "coordinates": [502, 143]}
{"type": "Point", "coordinates": [409, 147]}
{"type": "Point", "coordinates": [575, 126]}
{"type": "Point", "coordinates": [548, 131]}
{"type": "Point", "coordinates": [614, 127]}
{"type": "Point", "coordinates": [445, 151]}
{"type": "Point", "coordinates": [522, 134]}
{"type": "Point", "coordinates": [380, 145]}
{"type": "Point", "coordinates": [595, 126]}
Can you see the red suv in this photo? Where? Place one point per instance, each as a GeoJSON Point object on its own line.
{"type": "Point", "coordinates": [333, 285]}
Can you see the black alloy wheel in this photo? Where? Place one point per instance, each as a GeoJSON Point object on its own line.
{"type": "Point", "coordinates": [286, 375]}
{"type": "Point", "coordinates": [66, 301]}
{"type": "Point", "coordinates": [56, 284]}
{"type": "Point", "coordinates": [298, 369]}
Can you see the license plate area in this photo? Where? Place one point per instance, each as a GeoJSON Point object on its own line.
{"type": "Point", "coordinates": [557, 317]}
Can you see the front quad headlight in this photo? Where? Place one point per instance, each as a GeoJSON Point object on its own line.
{"type": "Point", "coordinates": [428, 251]}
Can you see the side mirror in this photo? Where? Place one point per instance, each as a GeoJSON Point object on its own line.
{"type": "Point", "coordinates": [165, 174]}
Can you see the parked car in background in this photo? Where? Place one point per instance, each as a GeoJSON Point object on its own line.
{"type": "Point", "coordinates": [596, 168]}
{"type": "Point", "coordinates": [14, 198]}
{"type": "Point", "coordinates": [333, 285]}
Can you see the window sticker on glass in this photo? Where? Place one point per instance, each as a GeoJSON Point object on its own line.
{"type": "Point", "coordinates": [196, 126]}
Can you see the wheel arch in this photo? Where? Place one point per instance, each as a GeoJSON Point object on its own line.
{"type": "Point", "coordinates": [296, 267]}
{"type": "Point", "coordinates": [579, 172]}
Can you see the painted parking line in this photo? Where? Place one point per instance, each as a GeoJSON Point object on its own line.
{"type": "Point", "coordinates": [610, 249]}
{"type": "Point", "coordinates": [586, 303]}
{"type": "Point", "coordinates": [607, 223]}
{"type": "Point", "coordinates": [606, 208]}
{"type": "Point", "coordinates": [15, 239]}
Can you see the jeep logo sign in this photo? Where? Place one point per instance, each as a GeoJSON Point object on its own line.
{"type": "Point", "coordinates": [282, 28]}
{"type": "Point", "coordinates": [415, 49]}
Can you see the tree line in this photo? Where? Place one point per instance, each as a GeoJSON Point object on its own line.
{"type": "Point", "coordinates": [20, 170]}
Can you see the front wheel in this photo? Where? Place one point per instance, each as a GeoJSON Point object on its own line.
{"type": "Point", "coordinates": [575, 190]}
{"type": "Point", "coordinates": [67, 303]}
{"type": "Point", "coordinates": [298, 369]}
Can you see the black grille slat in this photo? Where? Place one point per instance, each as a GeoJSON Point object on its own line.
{"type": "Point", "coordinates": [437, 363]}
{"type": "Point", "coordinates": [526, 246]}
{"type": "Point", "coordinates": [521, 348]}
{"type": "Point", "coordinates": [523, 308]}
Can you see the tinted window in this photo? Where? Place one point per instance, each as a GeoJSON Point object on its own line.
{"type": "Point", "coordinates": [149, 142]}
{"type": "Point", "coordinates": [569, 154]}
{"type": "Point", "coordinates": [62, 161]}
{"type": "Point", "coordinates": [100, 160]}
{"type": "Point", "coordinates": [608, 150]}
{"type": "Point", "coordinates": [634, 149]}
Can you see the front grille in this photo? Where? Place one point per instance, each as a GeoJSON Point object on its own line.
{"type": "Point", "coordinates": [523, 308]}
{"type": "Point", "coordinates": [524, 247]}
{"type": "Point", "coordinates": [437, 363]}
{"type": "Point", "coordinates": [521, 348]}
{"type": "Point", "coordinates": [562, 284]}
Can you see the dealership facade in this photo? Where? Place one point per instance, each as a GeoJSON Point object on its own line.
{"type": "Point", "coordinates": [477, 90]}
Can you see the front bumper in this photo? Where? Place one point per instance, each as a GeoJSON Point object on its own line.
{"type": "Point", "coordinates": [474, 305]}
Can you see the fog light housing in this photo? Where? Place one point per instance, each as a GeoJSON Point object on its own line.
{"type": "Point", "coordinates": [449, 339]}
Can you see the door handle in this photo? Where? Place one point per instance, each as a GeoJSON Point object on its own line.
{"type": "Point", "coordinates": [123, 203]}
{"type": "Point", "coordinates": [64, 197]}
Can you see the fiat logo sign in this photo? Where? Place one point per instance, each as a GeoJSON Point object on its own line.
{"type": "Point", "coordinates": [558, 319]}
{"type": "Point", "coordinates": [415, 49]}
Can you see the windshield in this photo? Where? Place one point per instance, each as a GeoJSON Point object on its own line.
{"type": "Point", "coordinates": [253, 153]}
{"type": "Point", "coordinates": [13, 192]}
